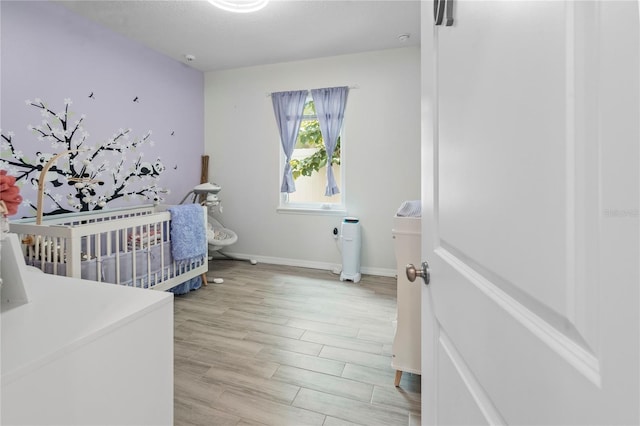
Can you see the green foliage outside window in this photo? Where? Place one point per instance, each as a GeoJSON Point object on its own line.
{"type": "Point", "coordinates": [310, 136]}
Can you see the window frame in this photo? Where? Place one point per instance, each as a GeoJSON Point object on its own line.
{"type": "Point", "coordinates": [329, 209]}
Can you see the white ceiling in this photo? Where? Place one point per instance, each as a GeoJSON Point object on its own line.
{"type": "Point", "coordinates": [286, 30]}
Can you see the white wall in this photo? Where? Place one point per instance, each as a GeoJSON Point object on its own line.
{"type": "Point", "coordinates": [381, 155]}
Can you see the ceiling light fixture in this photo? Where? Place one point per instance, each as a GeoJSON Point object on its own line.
{"type": "Point", "coordinates": [239, 6]}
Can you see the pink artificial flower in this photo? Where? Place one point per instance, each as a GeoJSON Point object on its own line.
{"type": "Point", "coordinates": [9, 193]}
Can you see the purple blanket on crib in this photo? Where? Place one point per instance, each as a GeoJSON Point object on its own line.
{"type": "Point", "coordinates": [188, 233]}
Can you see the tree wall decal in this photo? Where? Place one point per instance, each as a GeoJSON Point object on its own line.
{"type": "Point", "coordinates": [88, 178]}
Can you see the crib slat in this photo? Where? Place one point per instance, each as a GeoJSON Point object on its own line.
{"type": "Point", "coordinates": [40, 252]}
{"type": "Point", "coordinates": [162, 239]}
{"type": "Point", "coordinates": [87, 246]}
{"type": "Point", "coordinates": [172, 269]}
{"type": "Point", "coordinates": [117, 256]}
{"type": "Point", "coordinates": [109, 248]}
{"type": "Point", "coordinates": [29, 253]}
{"type": "Point", "coordinates": [152, 275]}
{"type": "Point", "coordinates": [133, 255]}
{"type": "Point", "coordinates": [56, 245]}
{"type": "Point", "coordinates": [148, 256]}
{"type": "Point", "coordinates": [98, 257]}
{"type": "Point", "coordinates": [47, 250]}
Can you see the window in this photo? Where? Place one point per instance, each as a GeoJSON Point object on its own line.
{"type": "Point", "coordinates": [309, 167]}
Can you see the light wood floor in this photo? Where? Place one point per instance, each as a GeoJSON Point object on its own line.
{"type": "Point", "coordinates": [281, 346]}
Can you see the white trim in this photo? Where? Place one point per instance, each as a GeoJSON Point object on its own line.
{"type": "Point", "coordinates": [570, 162]}
{"type": "Point", "coordinates": [312, 211]}
{"type": "Point", "coordinates": [578, 357]}
{"type": "Point", "coordinates": [301, 263]}
{"type": "Point", "coordinates": [482, 400]}
{"type": "Point", "coordinates": [398, 232]}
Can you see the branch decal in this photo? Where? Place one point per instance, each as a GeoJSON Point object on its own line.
{"type": "Point", "coordinates": [81, 181]}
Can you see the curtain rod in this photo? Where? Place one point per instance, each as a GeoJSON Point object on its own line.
{"type": "Point", "coordinates": [350, 88]}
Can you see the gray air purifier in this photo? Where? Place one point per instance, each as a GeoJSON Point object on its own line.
{"type": "Point", "coordinates": [351, 242]}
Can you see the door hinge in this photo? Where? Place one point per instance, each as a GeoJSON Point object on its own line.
{"type": "Point", "coordinates": [443, 11]}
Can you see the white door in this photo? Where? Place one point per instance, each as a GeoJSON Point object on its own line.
{"type": "Point", "coordinates": [530, 219]}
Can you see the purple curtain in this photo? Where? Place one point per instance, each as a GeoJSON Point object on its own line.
{"type": "Point", "coordinates": [330, 105]}
{"type": "Point", "coordinates": [288, 108]}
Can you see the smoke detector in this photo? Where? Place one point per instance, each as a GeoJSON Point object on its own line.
{"type": "Point", "coordinates": [189, 57]}
{"type": "Point", "coordinates": [404, 37]}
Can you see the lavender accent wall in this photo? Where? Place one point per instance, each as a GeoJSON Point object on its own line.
{"type": "Point", "coordinates": [142, 112]}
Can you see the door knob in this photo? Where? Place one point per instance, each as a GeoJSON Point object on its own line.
{"type": "Point", "coordinates": [412, 272]}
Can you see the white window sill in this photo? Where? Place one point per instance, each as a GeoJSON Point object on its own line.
{"type": "Point", "coordinates": [336, 211]}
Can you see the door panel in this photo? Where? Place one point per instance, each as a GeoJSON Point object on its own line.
{"type": "Point", "coordinates": [496, 129]}
{"type": "Point", "coordinates": [530, 168]}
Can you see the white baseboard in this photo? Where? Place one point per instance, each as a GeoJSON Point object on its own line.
{"type": "Point", "coordinates": [383, 272]}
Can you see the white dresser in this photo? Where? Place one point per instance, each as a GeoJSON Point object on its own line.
{"type": "Point", "coordinates": [407, 234]}
{"type": "Point", "coordinates": [83, 353]}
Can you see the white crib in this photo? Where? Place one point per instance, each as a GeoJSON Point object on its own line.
{"type": "Point", "coordinates": [129, 246]}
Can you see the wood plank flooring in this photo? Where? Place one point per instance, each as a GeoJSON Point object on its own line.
{"type": "Point", "coordinates": [277, 345]}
